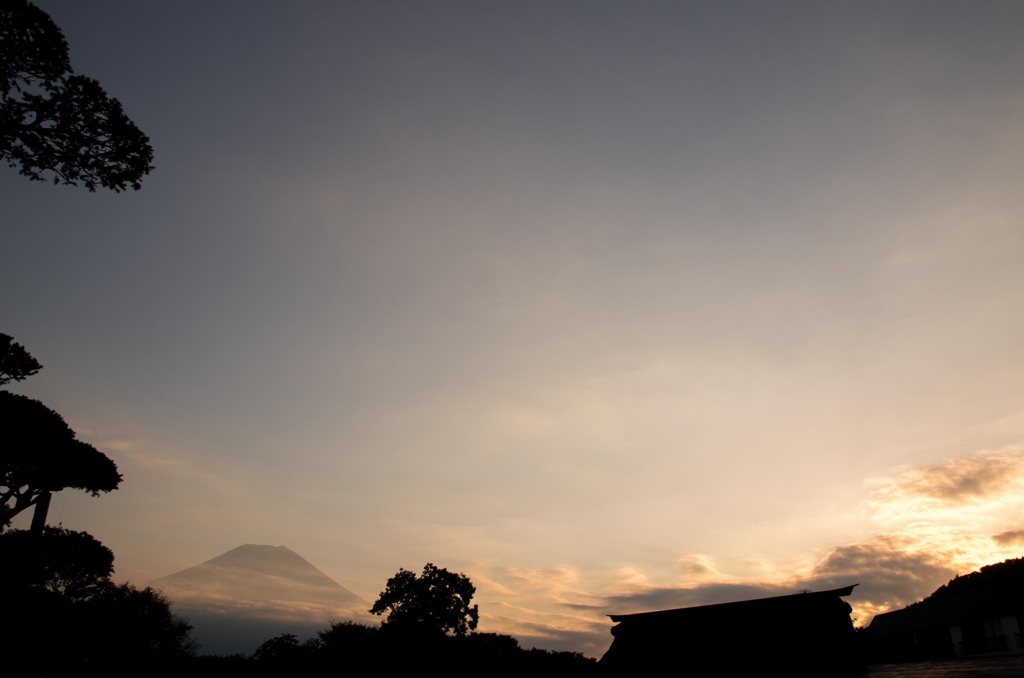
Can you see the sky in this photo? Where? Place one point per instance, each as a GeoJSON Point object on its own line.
{"type": "Point", "coordinates": [612, 306]}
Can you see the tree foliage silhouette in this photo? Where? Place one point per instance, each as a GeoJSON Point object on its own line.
{"type": "Point", "coordinates": [137, 623]}
{"type": "Point", "coordinates": [15, 362]}
{"type": "Point", "coordinates": [63, 615]}
{"type": "Point", "coordinates": [118, 630]}
{"type": "Point", "coordinates": [72, 564]}
{"type": "Point", "coordinates": [286, 650]}
{"type": "Point", "coordinates": [40, 453]}
{"type": "Point", "coordinates": [435, 601]}
{"type": "Point", "coordinates": [57, 125]}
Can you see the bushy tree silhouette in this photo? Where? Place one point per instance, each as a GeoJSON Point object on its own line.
{"type": "Point", "coordinates": [130, 623]}
{"type": "Point", "coordinates": [437, 601]}
{"type": "Point", "coordinates": [283, 649]}
{"type": "Point", "coordinates": [64, 562]}
{"type": "Point", "coordinates": [41, 455]}
{"type": "Point", "coordinates": [56, 125]}
{"type": "Point", "coordinates": [15, 362]}
{"type": "Point", "coordinates": [356, 646]}
{"type": "Point", "coordinates": [75, 620]}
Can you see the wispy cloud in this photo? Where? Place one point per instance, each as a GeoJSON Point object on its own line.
{"type": "Point", "coordinates": [698, 566]}
{"type": "Point", "coordinates": [655, 598]}
{"type": "Point", "coordinates": [980, 477]}
{"type": "Point", "coordinates": [891, 571]}
{"type": "Point", "coordinates": [140, 455]}
{"type": "Point", "coordinates": [543, 607]}
{"type": "Point", "coordinates": [1009, 538]}
{"type": "Point", "coordinates": [952, 508]}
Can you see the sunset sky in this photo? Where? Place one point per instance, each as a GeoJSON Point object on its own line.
{"type": "Point", "coordinates": [613, 306]}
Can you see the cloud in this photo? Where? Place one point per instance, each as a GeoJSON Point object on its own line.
{"type": "Point", "coordinates": [890, 573]}
{"type": "Point", "coordinates": [180, 466]}
{"type": "Point", "coordinates": [668, 597]}
{"type": "Point", "coordinates": [592, 643]}
{"type": "Point", "coordinates": [1009, 537]}
{"type": "Point", "coordinates": [537, 623]}
{"type": "Point", "coordinates": [117, 445]}
{"type": "Point", "coordinates": [542, 607]}
{"type": "Point", "coordinates": [890, 570]}
{"type": "Point", "coordinates": [560, 585]}
{"type": "Point", "coordinates": [956, 482]}
{"type": "Point", "coordinates": [697, 566]}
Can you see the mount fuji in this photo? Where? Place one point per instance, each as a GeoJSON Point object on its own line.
{"type": "Point", "coordinates": [254, 592]}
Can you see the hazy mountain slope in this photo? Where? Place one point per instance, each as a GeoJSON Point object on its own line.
{"type": "Point", "coordinates": [253, 592]}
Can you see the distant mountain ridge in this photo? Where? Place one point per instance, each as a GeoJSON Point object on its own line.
{"type": "Point", "coordinates": [253, 592]}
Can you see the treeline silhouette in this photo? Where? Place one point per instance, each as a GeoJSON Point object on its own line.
{"type": "Point", "coordinates": [976, 614]}
{"type": "Point", "coordinates": [367, 650]}
{"type": "Point", "coordinates": [1007, 576]}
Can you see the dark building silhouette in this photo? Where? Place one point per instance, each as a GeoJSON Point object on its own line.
{"type": "Point", "coordinates": [802, 634]}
